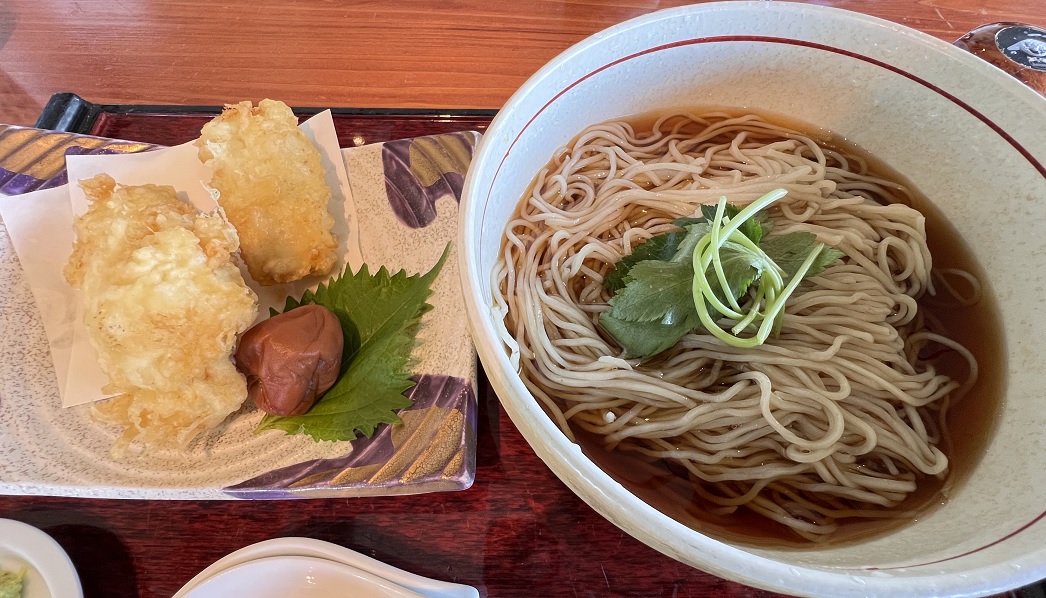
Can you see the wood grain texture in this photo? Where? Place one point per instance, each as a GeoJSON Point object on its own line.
{"type": "Point", "coordinates": [365, 53]}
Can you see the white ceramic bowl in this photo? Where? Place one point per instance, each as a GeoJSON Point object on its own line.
{"type": "Point", "coordinates": [970, 137]}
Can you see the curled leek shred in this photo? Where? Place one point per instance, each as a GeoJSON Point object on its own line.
{"type": "Point", "coordinates": [767, 302]}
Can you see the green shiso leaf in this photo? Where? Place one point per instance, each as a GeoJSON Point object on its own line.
{"type": "Point", "coordinates": [379, 315]}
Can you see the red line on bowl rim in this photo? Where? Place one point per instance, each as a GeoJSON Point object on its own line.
{"type": "Point", "coordinates": [1038, 166]}
{"type": "Point", "coordinates": [968, 552]}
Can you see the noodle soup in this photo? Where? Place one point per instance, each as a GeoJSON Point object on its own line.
{"type": "Point", "coordinates": [841, 425]}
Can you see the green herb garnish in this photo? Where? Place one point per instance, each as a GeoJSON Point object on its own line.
{"type": "Point", "coordinates": [379, 316]}
{"type": "Point", "coordinates": [11, 583]}
{"type": "Point", "coordinates": [743, 276]}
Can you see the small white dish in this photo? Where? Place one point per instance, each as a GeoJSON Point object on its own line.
{"type": "Point", "coordinates": [49, 573]}
{"type": "Point", "coordinates": [296, 576]}
{"type": "Point", "coordinates": [307, 547]}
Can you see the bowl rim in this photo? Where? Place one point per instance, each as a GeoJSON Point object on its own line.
{"type": "Point", "coordinates": [565, 458]}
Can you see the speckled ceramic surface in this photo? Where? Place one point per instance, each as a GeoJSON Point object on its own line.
{"type": "Point", "coordinates": [967, 135]}
{"type": "Point", "coordinates": [54, 451]}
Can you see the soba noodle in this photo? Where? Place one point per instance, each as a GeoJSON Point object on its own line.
{"type": "Point", "coordinates": [834, 418]}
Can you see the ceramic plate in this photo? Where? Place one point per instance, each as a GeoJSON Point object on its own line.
{"type": "Point", "coordinates": [49, 572]}
{"type": "Point", "coordinates": [404, 194]}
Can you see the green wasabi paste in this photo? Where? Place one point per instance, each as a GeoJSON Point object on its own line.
{"type": "Point", "coordinates": [11, 584]}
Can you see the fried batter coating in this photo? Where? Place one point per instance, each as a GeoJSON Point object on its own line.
{"type": "Point", "coordinates": [271, 183]}
{"type": "Point", "coordinates": [163, 306]}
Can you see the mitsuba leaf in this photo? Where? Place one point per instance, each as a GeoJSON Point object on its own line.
{"type": "Point", "coordinates": [379, 315]}
{"type": "Point", "coordinates": [659, 247]}
{"type": "Point", "coordinates": [791, 250]}
{"type": "Point", "coordinates": [654, 290]}
{"type": "Point", "coordinates": [685, 222]}
{"type": "Point", "coordinates": [671, 246]}
{"type": "Point", "coordinates": [751, 228]}
{"type": "Point", "coordinates": [654, 310]}
{"type": "Point", "coordinates": [694, 233]}
{"type": "Point", "coordinates": [741, 267]}
{"type": "Point", "coordinates": [644, 339]}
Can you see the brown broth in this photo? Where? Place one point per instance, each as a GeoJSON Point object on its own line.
{"type": "Point", "coordinates": [973, 421]}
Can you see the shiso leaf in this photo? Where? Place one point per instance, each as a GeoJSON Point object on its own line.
{"type": "Point", "coordinates": [379, 315]}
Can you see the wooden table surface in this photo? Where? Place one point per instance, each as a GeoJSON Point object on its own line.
{"type": "Point", "coordinates": [359, 53]}
{"type": "Point", "coordinates": [363, 53]}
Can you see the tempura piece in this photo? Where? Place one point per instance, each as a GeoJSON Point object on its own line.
{"type": "Point", "coordinates": [271, 183]}
{"type": "Point", "coordinates": [163, 305]}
